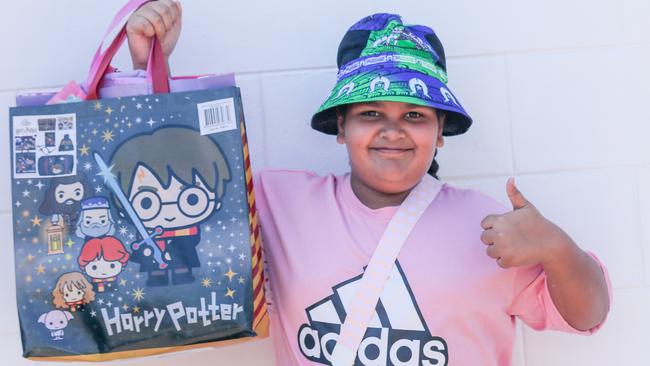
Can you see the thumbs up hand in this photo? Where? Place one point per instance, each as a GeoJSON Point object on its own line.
{"type": "Point", "coordinates": [522, 236]}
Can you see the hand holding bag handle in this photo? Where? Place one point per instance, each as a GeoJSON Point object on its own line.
{"type": "Point", "coordinates": [120, 19]}
{"type": "Point", "coordinates": [156, 68]}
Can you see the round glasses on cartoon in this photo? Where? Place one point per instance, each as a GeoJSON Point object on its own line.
{"type": "Point", "coordinates": [167, 194]}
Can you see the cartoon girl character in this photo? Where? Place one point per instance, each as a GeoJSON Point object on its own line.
{"type": "Point", "coordinates": [102, 259]}
{"type": "Point", "coordinates": [172, 189]}
{"type": "Point", "coordinates": [72, 291]}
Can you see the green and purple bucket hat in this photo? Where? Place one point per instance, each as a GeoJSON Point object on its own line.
{"type": "Point", "coordinates": [381, 59]}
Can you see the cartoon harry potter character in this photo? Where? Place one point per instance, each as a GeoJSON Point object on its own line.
{"type": "Point", "coordinates": [63, 198]}
{"type": "Point", "coordinates": [72, 291]}
{"type": "Point", "coordinates": [95, 219]}
{"type": "Point", "coordinates": [172, 191]}
{"type": "Point", "coordinates": [55, 321]}
{"type": "Point", "coordinates": [102, 259]}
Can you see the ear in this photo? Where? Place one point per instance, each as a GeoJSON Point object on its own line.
{"type": "Point", "coordinates": [340, 136]}
{"type": "Point", "coordinates": [68, 315]}
{"type": "Point", "coordinates": [440, 141]}
{"type": "Point", "coordinates": [41, 319]}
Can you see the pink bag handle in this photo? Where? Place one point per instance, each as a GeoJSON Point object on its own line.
{"type": "Point", "coordinates": [157, 75]}
{"type": "Point", "coordinates": [126, 10]}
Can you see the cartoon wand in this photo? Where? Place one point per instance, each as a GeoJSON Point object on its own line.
{"type": "Point", "coordinates": [147, 239]}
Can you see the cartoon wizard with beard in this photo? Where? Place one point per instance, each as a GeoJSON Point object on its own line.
{"type": "Point", "coordinates": [95, 219]}
{"type": "Point", "coordinates": [63, 199]}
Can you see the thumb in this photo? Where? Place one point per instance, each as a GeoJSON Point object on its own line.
{"type": "Point", "coordinates": [516, 197]}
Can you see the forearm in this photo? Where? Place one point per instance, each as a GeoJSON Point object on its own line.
{"type": "Point", "coordinates": [577, 285]}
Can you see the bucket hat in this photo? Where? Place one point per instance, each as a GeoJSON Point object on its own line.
{"type": "Point", "coordinates": [382, 59]}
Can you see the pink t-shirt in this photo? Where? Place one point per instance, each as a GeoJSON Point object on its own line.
{"type": "Point", "coordinates": [446, 301]}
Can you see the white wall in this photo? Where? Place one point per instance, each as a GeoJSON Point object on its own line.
{"type": "Point", "coordinates": [558, 89]}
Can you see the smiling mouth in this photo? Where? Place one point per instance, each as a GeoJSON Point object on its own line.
{"type": "Point", "coordinates": [390, 150]}
{"type": "Point", "coordinates": [170, 220]}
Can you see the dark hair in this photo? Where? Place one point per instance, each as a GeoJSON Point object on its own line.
{"type": "Point", "coordinates": [433, 169]}
{"type": "Point", "coordinates": [49, 206]}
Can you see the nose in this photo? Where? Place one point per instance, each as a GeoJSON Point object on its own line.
{"type": "Point", "coordinates": [392, 129]}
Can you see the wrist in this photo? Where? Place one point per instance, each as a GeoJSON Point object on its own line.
{"type": "Point", "coordinates": [557, 247]}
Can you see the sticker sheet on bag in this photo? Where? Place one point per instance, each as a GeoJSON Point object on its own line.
{"type": "Point", "coordinates": [44, 146]}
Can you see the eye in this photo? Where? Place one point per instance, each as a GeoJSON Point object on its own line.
{"type": "Point", "coordinates": [112, 265]}
{"type": "Point", "coordinates": [94, 267]}
{"type": "Point", "coordinates": [414, 115]}
{"type": "Point", "coordinates": [51, 323]}
{"type": "Point", "coordinates": [370, 113]}
{"type": "Point", "coordinates": [78, 292]}
{"type": "Point", "coordinates": [87, 222]}
{"type": "Point", "coordinates": [193, 201]}
{"type": "Point", "coordinates": [60, 321]}
{"type": "Point", "coordinates": [146, 204]}
{"type": "Point", "coordinates": [61, 195]}
{"type": "Point", "coordinates": [77, 193]}
{"type": "Point", "coordinates": [103, 221]}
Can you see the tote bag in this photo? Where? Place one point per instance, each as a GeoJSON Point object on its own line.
{"type": "Point", "coordinates": [135, 230]}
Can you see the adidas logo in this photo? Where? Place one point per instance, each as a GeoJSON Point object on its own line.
{"type": "Point", "coordinates": [397, 334]}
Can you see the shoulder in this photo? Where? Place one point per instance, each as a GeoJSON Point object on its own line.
{"type": "Point", "coordinates": [469, 200]}
{"type": "Point", "coordinates": [293, 179]}
{"type": "Point", "coordinates": [283, 174]}
{"type": "Point", "coordinates": [272, 185]}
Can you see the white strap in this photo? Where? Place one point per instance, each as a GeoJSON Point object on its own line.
{"type": "Point", "coordinates": [381, 264]}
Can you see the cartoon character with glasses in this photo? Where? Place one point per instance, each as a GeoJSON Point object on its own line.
{"type": "Point", "coordinates": [172, 191]}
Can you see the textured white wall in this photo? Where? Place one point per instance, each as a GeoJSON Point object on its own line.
{"type": "Point", "coordinates": [558, 89]}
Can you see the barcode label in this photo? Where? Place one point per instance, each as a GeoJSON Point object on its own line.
{"type": "Point", "coordinates": [217, 116]}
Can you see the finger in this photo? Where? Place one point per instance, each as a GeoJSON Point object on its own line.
{"type": "Point", "coordinates": [492, 251]}
{"type": "Point", "coordinates": [488, 221]}
{"type": "Point", "coordinates": [155, 20]}
{"type": "Point", "coordinates": [516, 197]}
{"type": "Point", "coordinates": [175, 9]}
{"type": "Point", "coordinates": [488, 236]}
{"type": "Point", "coordinates": [502, 262]}
{"type": "Point", "coordinates": [165, 11]}
{"type": "Point", "coordinates": [140, 25]}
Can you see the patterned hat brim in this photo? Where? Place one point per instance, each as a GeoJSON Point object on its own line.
{"type": "Point", "coordinates": [395, 84]}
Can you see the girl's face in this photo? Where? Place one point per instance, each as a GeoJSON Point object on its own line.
{"type": "Point", "coordinates": [72, 294]}
{"type": "Point", "coordinates": [390, 144]}
{"type": "Point", "coordinates": [100, 268]}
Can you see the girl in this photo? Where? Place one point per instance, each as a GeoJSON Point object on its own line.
{"type": "Point", "coordinates": [468, 267]}
{"type": "Point", "coordinates": [72, 291]}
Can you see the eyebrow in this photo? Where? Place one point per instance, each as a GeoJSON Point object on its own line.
{"type": "Point", "coordinates": [407, 105]}
{"type": "Point", "coordinates": [147, 188]}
